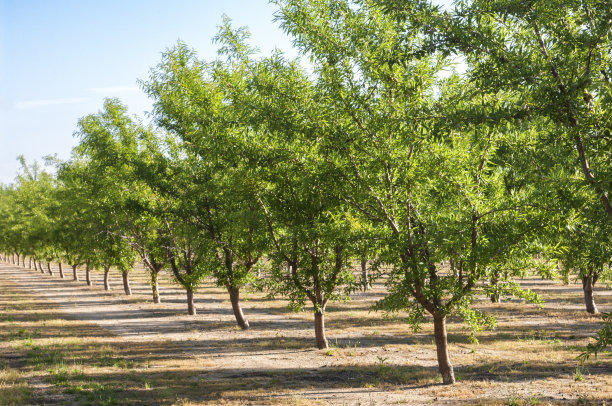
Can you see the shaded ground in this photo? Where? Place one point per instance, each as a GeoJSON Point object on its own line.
{"type": "Point", "coordinates": [65, 343]}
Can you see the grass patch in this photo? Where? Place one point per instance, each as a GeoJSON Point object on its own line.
{"type": "Point", "coordinates": [14, 389]}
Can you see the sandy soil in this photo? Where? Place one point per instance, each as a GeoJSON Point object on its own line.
{"type": "Point", "coordinates": [503, 368]}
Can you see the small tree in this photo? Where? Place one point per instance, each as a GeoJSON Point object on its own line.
{"type": "Point", "coordinates": [191, 103]}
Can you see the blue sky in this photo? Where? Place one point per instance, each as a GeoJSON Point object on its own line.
{"type": "Point", "coordinates": [59, 59]}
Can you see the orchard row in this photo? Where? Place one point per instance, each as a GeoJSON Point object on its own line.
{"type": "Point", "coordinates": [378, 151]}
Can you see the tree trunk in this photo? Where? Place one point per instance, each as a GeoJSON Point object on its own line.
{"type": "Point", "coordinates": [61, 269]}
{"type": "Point", "coordinates": [589, 300]}
{"type": "Point", "coordinates": [364, 274]}
{"type": "Point", "coordinates": [106, 282]}
{"type": "Point", "coordinates": [88, 274]}
{"type": "Point", "coordinates": [126, 282]}
{"type": "Point", "coordinates": [74, 272]}
{"type": "Point", "coordinates": [190, 307]}
{"type": "Point", "coordinates": [155, 286]}
{"type": "Point", "coordinates": [320, 329]}
{"type": "Point", "coordinates": [234, 293]}
{"type": "Point", "coordinates": [37, 266]}
{"type": "Point", "coordinates": [30, 263]}
{"type": "Point", "coordinates": [49, 268]}
{"type": "Point", "coordinates": [23, 261]}
{"type": "Point", "coordinates": [494, 296]}
{"type": "Point", "coordinates": [40, 266]}
{"type": "Point", "coordinates": [17, 259]}
{"type": "Point", "coordinates": [444, 364]}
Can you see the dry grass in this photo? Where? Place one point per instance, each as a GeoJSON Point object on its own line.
{"type": "Point", "coordinates": [14, 388]}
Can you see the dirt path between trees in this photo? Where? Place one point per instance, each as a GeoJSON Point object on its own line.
{"type": "Point", "coordinates": [530, 357]}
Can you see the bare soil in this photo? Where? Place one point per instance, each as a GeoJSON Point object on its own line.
{"type": "Point", "coordinates": [76, 344]}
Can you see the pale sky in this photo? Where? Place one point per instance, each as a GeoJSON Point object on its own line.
{"type": "Point", "coordinates": [59, 59]}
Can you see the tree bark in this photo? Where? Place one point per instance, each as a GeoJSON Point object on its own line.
{"type": "Point", "coordinates": [190, 306]}
{"type": "Point", "coordinates": [588, 174]}
{"type": "Point", "coordinates": [17, 260]}
{"type": "Point", "coordinates": [126, 282]}
{"type": "Point", "coordinates": [364, 274]}
{"type": "Point", "coordinates": [494, 296]}
{"type": "Point", "coordinates": [40, 266]}
{"type": "Point", "coordinates": [444, 364]}
{"type": "Point", "coordinates": [106, 282]}
{"type": "Point", "coordinates": [61, 269]}
{"type": "Point", "coordinates": [320, 329]}
{"type": "Point", "coordinates": [88, 274]}
{"type": "Point", "coordinates": [49, 268]}
{"type": "Point", "coordinates": [589, 300]}
{"type": "Point", "coordinates": [35, 266]}
{"type": "Point", "coordinates": [23, 261]}
{"type": "Point", "coordinates": [155, 286]}
{"type": "Point", "coordinates": [30, 263]}
{"type": "Point", "coordinates": [234, 293]}
{"type": "Point", "coordinates": [74, 272]}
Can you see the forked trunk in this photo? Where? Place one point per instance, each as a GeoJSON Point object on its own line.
{"type": "Point", "coordinates": [364, 274]}
{"type": "Point", "coordinates": [88, 273]}
{"type": "Point", "coordinates": [155, 286]}
{"type": "Point", "coordinates": [74, 272]}
{"type": "Point", "coordinates": [190, 306]}
{"type": "Point", "coordinates": [106, 282]}
{"type": "Point", "coordinates": [320, 329]}
{"type": "Point", "coordinates": [40, 266]}
{"type": "Point", "coordinates": [61, 269]}
{"type": "Point", "coordinates": [126, 282]}
{"type": "Point", "coordinates": [49, 268]}
{"type": "Point", "coordinates": [589, 300]}
{"type": "Point", "coordinates": [444, 364]}
{"type": "Point", "coordinates": [234, 293]}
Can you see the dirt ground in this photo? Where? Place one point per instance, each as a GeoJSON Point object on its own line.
{"type": "Point", "coordinates": [63, 342]}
